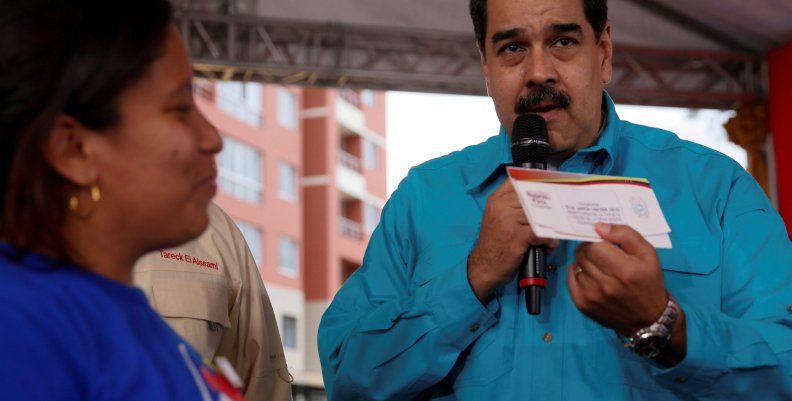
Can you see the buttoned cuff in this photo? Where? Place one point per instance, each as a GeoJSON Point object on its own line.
{"type": "Point", "coordinates": [704, 359]}
{"type": "Point", "coordinates": [460, 315]}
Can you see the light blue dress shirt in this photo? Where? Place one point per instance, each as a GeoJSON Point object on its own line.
{"type": "Point", "coordinates": [407, 324]}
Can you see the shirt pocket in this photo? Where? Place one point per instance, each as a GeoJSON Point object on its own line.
{"type": "Point", "coordinates": [196, 309]}
{"type": "Point", "coordinates": [693, 275]}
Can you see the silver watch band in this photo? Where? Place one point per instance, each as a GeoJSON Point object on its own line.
{"type": "Point", "coordinates": [651, 341]}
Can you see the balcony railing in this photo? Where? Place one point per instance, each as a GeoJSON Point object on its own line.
{"type": "Point", "coordinates": [350, 228]}
{"type": "Point", "coordinates": [350, 96]}
{"type": "Point", "coordinates": [203, 89]}
{"type": "Point", "coordinates": [240, 110]}
{"type": "Point", "coordinates": [348, 160]}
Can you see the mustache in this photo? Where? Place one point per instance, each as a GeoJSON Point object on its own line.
{"type": "Point", "coordinates": [540, 94]}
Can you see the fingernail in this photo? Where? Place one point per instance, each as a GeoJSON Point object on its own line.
{"type": "Point", "coordinates": [604, 227]}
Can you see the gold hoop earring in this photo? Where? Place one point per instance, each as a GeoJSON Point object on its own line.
{"type": "Point", "coordinates": [74, 203]}
{"type": "Point", "coordinates": [96, 194]}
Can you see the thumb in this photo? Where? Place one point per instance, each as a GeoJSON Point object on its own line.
{"type": "Point", "coordinates": [629, 240]}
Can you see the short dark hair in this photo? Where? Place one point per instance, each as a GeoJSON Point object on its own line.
{"type": "Point", "coordinates": [596, 14]}
{"type": "Point", "coordinates": [62, 57]}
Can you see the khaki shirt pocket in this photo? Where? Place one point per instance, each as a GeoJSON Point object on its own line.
{"type": "Point", "coordinates": [196, 309]}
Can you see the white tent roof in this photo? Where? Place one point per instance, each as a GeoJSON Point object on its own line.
{"type": "Point", "coordinates": [755, 25]}
{"type": "Point", "coordinates": [688, 53]}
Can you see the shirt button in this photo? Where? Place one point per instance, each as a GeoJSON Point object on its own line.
{"type": "Point", "coordinates": [547, 337]}
{"type": "Point", "coordinates": [789, 309]}
{"type": "Point", "coordinates": [474, 327]}
{"type": "Point", "coordinates": [551, 268]}
{"type": "Point", "coordinates": [681, 379]}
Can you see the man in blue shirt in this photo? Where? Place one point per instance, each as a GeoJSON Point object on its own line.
{"type": "Point", "coordinates": [435, 313]}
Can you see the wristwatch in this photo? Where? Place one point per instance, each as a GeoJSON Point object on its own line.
{"type": "Point", "coordinates": [650, 341]}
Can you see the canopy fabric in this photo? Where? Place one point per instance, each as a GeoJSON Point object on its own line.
{"type": "Point", "coordinates": [721, 25]}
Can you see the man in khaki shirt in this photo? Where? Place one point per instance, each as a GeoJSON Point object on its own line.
{"type": "Point", "coordinates": [210, 291]}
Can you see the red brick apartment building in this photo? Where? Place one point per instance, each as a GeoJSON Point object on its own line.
{"type": "Point", "coordinates": [302, 172]}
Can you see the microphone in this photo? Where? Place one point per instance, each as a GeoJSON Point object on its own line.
{"type": "Point", "coordinates": [530, 148]}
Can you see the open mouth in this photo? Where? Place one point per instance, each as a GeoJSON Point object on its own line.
{"type": "Point", "coordinates": [543, 109]}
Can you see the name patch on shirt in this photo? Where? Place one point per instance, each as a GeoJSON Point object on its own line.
{"type": "Point", "coordinates": [187, 258]}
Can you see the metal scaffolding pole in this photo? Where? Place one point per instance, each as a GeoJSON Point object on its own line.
{"type": "Point", "coordinates": [243, 47]}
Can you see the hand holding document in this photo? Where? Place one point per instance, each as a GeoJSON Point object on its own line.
{"type": "Point", "coordinates": [566, 206]}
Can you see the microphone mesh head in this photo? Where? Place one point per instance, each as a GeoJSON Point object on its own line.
{"type": "Point", "coordinates": [529, 140]}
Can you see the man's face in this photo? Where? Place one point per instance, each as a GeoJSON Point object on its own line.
{"type": "Point", "coordinates": [542, 56]}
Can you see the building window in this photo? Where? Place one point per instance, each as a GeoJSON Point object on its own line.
{"type": "Point", "coordinates": [371, 215]}
{"type": "Point", "coordinates": [289, 331]}
{"type": "Point", "coordinates": [370, 157]}
{"type": "Point", "coordinates": [288, 257]}
{"type": "Point", "coordinates": [241, 100]}
{"type": "Point", "coordinates": [287, 182]}
{"type": "Point", "coordinates": [253, 237]}
{"type": "Point", "coordinates": [287, 108]}
{"type": "Point", "coordinates": [240, 170]}
{"type": "Point", "coordinates": [369, 97]}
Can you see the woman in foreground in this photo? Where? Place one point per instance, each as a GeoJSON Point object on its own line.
{"type": "Point", "coordinates": [103, 158]}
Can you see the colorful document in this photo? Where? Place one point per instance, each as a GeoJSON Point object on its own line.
{"type": "Point", "coordinates": [566, 206]}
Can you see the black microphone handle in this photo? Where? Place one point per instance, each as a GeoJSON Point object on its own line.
{"type": "Point", "coordinates": [533, 267]}
{"type": "Point", "coordinates": [538, 166]}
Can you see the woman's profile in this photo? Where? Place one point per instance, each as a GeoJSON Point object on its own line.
{"type": "Point", "coordinates": [104, 158]}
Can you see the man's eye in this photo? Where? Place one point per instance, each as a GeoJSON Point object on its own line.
{"type": "Point", "coordinates": [564, 42]}
{"type": "Point", "coordinates": [511, 48]}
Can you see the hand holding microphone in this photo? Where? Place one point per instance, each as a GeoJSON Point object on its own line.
{"type": "Point", "coordinates": [530, 148]}
{"type": "Point", "coordinates": [504, 238]}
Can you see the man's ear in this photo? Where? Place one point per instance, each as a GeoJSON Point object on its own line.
{"type": "Point", "coordinates": [606, 53]}
{"type": "Point", "coordinates": [484, 69]}
{"type": "Point", "coordinates": [67, 150]}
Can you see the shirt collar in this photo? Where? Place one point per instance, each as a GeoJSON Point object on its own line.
{"type": "Point", "coordinates": [496, 151]}
{"type": "Point", "coordinates": [488, 159]}
{"type": "Point", "coordinates": [606, 142]}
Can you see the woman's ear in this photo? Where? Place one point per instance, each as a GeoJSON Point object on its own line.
{"type": "Point", "coordinates": [67, 150]}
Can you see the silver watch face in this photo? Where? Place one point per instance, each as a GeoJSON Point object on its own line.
{"type": "Point", "coordinates": [650, 346]}
{"type": "Point", "coordinates": [651, 341]}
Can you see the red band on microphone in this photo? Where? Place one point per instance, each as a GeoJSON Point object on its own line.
{"type": "Point", "coordinates": [539, 282]}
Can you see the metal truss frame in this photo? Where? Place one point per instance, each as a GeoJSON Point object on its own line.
{"type": "Point", "coordinates": [249, 48]}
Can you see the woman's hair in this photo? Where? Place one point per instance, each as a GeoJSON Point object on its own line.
{"type": "Point", "coordinates": [62, 57]}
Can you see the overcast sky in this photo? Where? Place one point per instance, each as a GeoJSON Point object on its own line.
{"type": "Point", "coordinates": [423, 126]}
